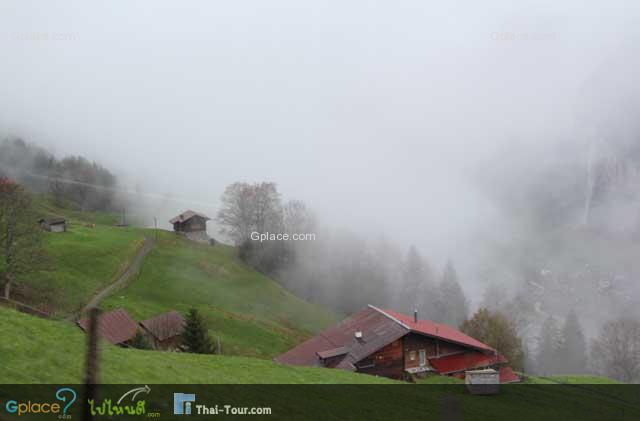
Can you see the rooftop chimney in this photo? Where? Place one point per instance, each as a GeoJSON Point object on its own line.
{"type": "Point", "coordinates": [415, 316]}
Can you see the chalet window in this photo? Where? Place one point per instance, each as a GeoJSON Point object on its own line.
{"type": "Point", "coordinates": [364, 365]}
{"type": "Point", "coordinates": [412, 355]}
{"type": "Point", "coordinates": [423, 357]}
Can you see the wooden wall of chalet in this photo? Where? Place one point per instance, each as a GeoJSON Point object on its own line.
{"type": "Point", "coordinates": [414, 343]}
{"type": "Point", "coordinates": [387, 362]}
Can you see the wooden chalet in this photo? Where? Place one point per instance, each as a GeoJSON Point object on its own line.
{"type": "Point", "coordinates": [390, 344]}
{"type": "Point", "coordinates": [190, 221]}
{"type": "Point", "coordinates": [165, 330]}
{"type": "Point", "coordinates": [53, 224]}
{"type": "Point", "coordinates": [116, 326]}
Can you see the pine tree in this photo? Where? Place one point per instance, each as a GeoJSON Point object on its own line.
{"type": "Point", "coordinates": [419, 292]}
{"type": "Point", "coordinates": [140, 342]}
{"type": "Point", "coordinates": [453, 306]}
{"type": "Point", "coordinates": [196, 337]}
{"type": "Point", "coordinates": [573, 352]}
{"type": "Point", "coordinates": [549, 347]}
{"type": "Point", "coordinates": [495, 297]}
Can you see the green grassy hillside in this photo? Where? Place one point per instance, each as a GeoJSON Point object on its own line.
{"type": "Point", "coordinates": [45, 351]}
{"type": "Point", "coordinates": [79, 262]}
{"type": "Point", "coordinates": [250, 314]}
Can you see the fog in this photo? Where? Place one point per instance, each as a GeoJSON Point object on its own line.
{"type": "Point", "coordinates": [384, 117]}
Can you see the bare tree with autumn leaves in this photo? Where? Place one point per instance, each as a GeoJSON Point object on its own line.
{"type": "Point", "coordinates": [21, 246]}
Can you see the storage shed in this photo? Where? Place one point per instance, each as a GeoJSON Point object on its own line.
{"type": "Point", "coordinates": [117, 326]}
{"type": "Point", "coordinates": [165, 330]}
{"type": "Point", "coordinates": [190, 221]}
{"type": "Point", "coordinates": [53, 224]}
{"type": "Point", "coordinates": [483, 382]}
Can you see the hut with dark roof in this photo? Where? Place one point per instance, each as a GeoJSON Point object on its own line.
{"type": "Point", "coordinates": [116, 326]}
{"type": "Point", "coordinates": [164, 330]}
{"type": "Point", "coordinates": [53, 224]}
{"type": "Point", "coordinates": [190, 221]}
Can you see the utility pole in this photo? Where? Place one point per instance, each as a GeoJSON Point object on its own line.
{"type": "Point", "coordinates": [155, 224]}
{"type": "Point", "coordinates": [91, 375]}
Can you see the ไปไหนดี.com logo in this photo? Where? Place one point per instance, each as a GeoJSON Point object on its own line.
{"type": "Point", "coordinates": [129, 404]}
{"type": "Point", "coordinates": [65, 395]}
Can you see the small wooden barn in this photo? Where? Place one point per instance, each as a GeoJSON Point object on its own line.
{"type": "Point", "coordinates": [190, 221]}
{"type": "Point", "coordinates": [117, 327]}
{"type": "Point", "coordinates": [53, 224]}
{"type": "Point", "coordinates": [390, 344]}
{"type": "Point", "coordinates": [164, 330]}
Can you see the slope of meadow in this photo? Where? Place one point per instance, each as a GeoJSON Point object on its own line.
{"type": "Point", "coordinates": [250, 314]}
{"type": "Point", "coordinates": [35, 350]}
{"type": "Point", "coordinates": [80, 262]}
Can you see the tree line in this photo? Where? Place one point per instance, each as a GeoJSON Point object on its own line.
{"type": "Point", "coordinates": [340, 270]}
{"type": "Point", "coordinates": [72, 180]}
{"type": "Point", "coordinates": [556, 345]}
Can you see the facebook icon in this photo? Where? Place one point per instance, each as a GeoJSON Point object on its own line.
{"type": "Point", "coordinates": [182, 403]}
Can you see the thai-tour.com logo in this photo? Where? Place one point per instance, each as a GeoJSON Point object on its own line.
{"type": "Point", "coordinates": [185, 404]}
{"type": "Point", "coordinates": [59, 405]}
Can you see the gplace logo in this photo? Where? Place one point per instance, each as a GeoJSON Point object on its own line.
{"type": "Point", "coordinates": [182, 403]}
{"type": "Point", "coordinates": [66, 395]}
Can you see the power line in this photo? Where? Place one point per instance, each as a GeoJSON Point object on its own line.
{"type": "Point", "coordinates": [158, 196]}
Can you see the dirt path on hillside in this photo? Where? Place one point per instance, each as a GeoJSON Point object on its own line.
{"type": "Point", "coordinates": [124, 277]}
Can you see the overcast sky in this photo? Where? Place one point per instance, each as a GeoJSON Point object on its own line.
{"type": "Point", "coordinates": [377, 114]}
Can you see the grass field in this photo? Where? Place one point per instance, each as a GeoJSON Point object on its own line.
{"type": "Point", "coordinates": [45, 351]}
{"type": "Point", "coordinates": [250, 314]}
{"type": "Point", "coordinates": [79, 262]}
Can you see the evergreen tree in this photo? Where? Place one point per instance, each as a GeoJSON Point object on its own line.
{"type": "Point", "coordinates": [196, 337]}
{"type": "Point", "coordinates": [495, 297]}
{"type": "Point", "coordinates": [453, 305]}
{"type": "Point", "coordinates": [573, 351]}
{"type": "Point", "coordinates": [549, 347]}
{"type": "Point", "coordinates": [419, 292]}
{"type": "Point", "coordinates": [140, 342]}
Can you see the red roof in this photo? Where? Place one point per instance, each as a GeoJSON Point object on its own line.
{"type": "Point", "coordinates": [116, 326]}
{"type": "Point", "coordinates": [465, 361]}
{"type": "Point", "coordinates": [165, 325]}
{"type": "Point", "coordinates": [438, 330]}
{"type": "Point", "coordinates": [507, 375]}
{"type": "Point", "coordinates": [378, 330]}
